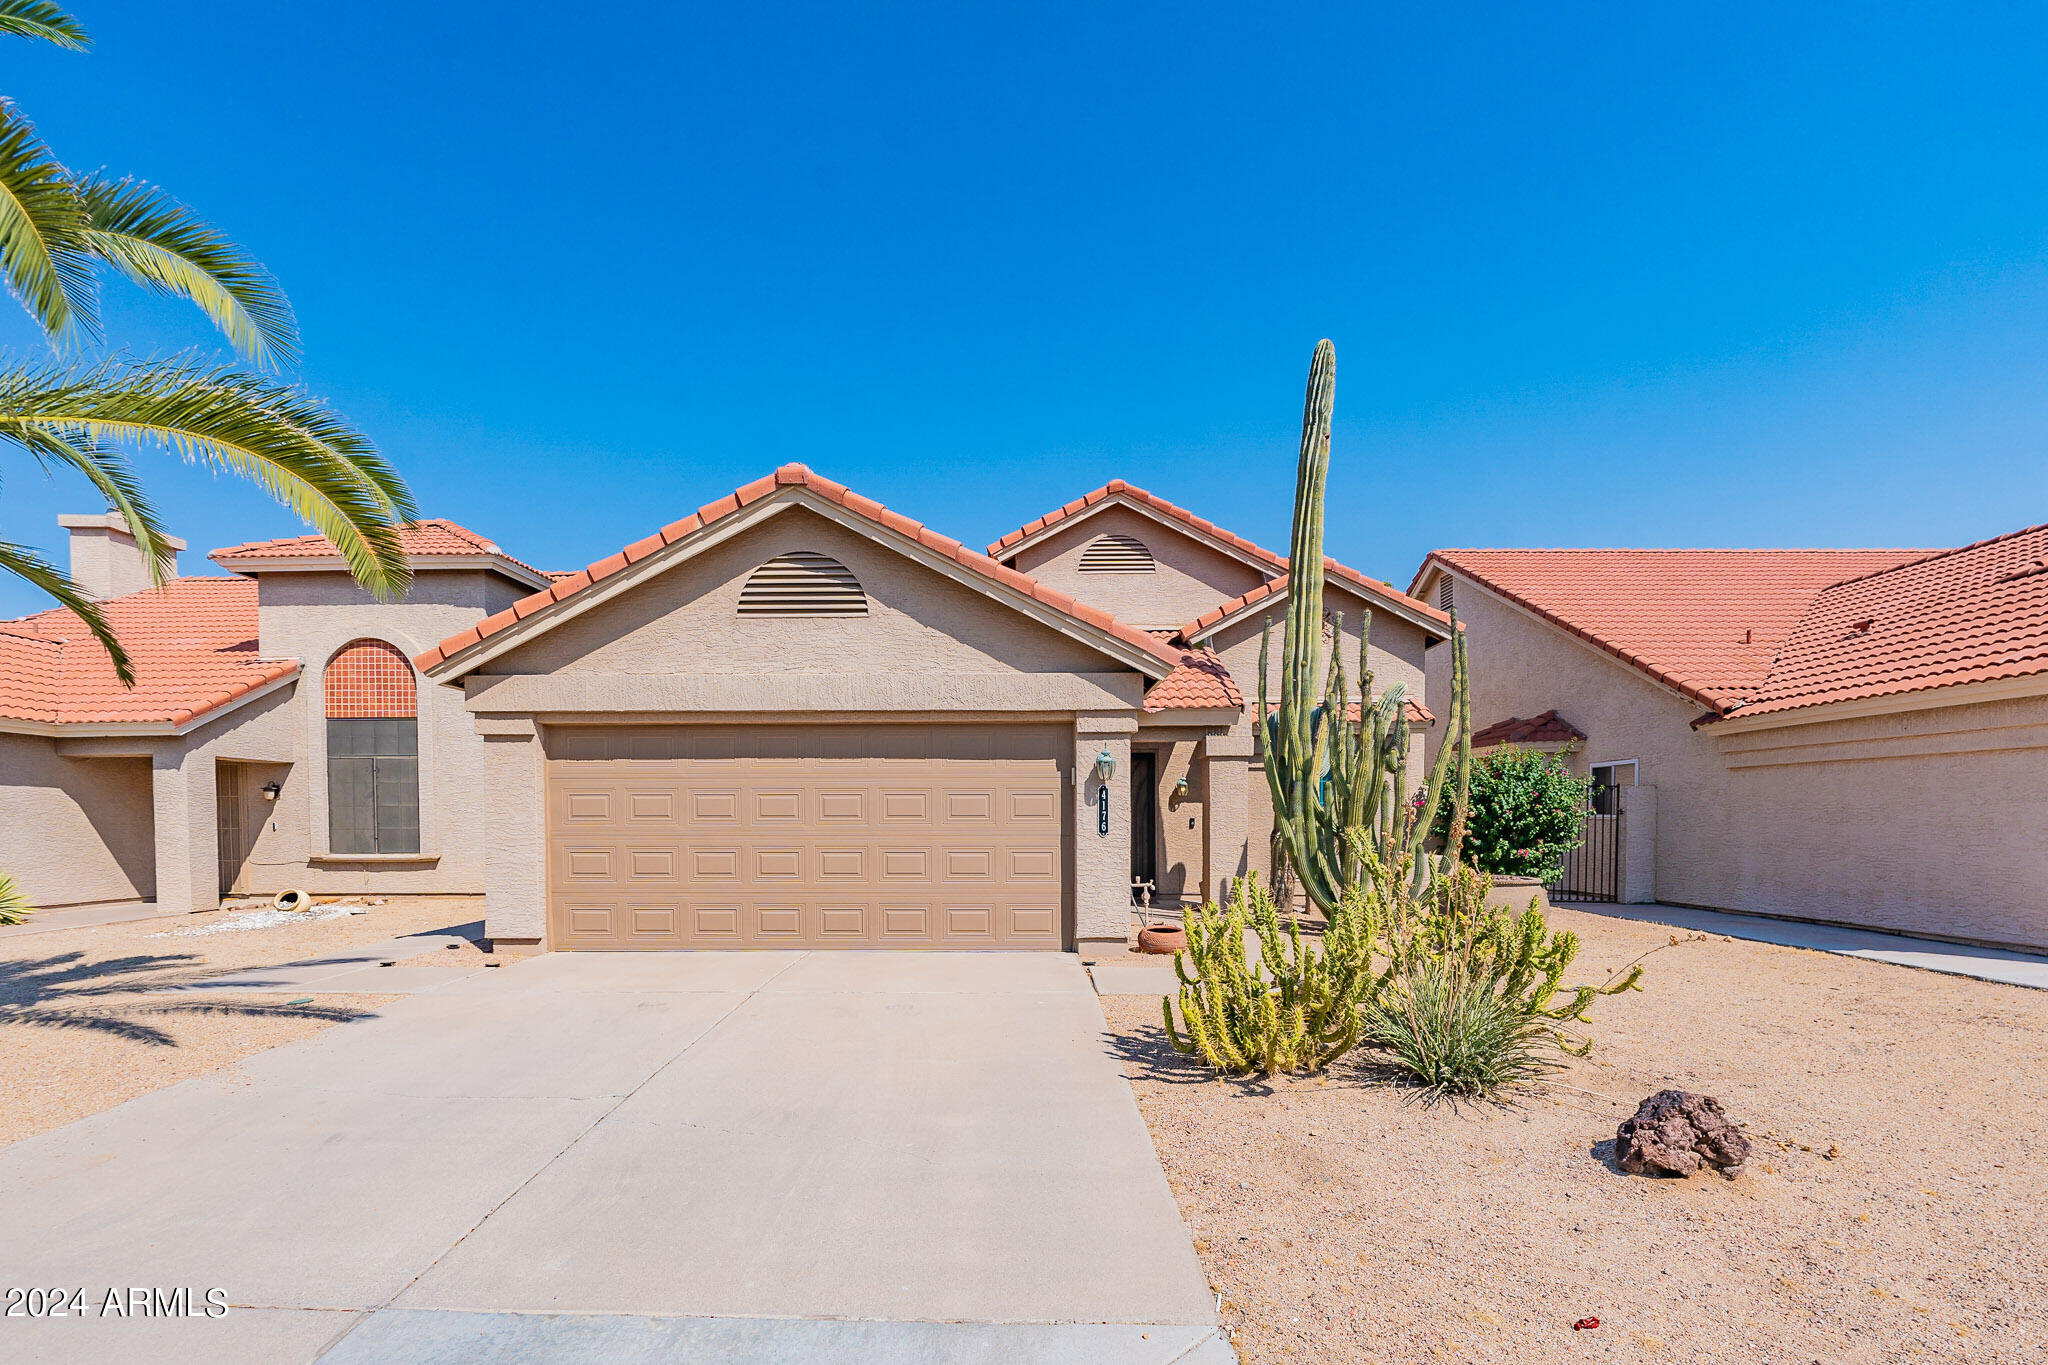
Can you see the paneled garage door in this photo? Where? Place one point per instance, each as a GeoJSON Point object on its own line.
{"type": "Point", "coordinates": [825, 836]}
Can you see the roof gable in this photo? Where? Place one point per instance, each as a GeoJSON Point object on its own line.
{"type": "Point", "coordinates": [1117, 492]}
{"type": "Point", "coordinates": [789, 486]}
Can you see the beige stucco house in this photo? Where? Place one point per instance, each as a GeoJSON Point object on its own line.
{"type": "Point", "coordinates": [792, 718]}
{"type": "Point", "coordinates": [1850, 736]}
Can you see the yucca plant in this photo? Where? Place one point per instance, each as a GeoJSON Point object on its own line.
{"type": "Point", "coordinates": [14, 906]}
{"type": "Point", "coordinates": [1468, 1002]}
{"type": "Point", "coordinates": [84, 410]}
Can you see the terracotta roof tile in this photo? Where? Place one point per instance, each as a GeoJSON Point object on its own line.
{"type": "Point", "coordinates": [1972, 614]}
{"type": "Point", "coordinates": [1198, 682]}
{"type": "Point", "coordinates": [1216, 616]}
{"type": "Point", "coordinates": [1706, 623]}
{"type": "Point", "coordinates": [421, 540]}
{"type": "Point", "coordinates": [1548, 728]}
{"type": "Point", "coordinates": [1352, 578]}
{"type": "Point", "coordinates": [192, 643]}
{"type": "Point", "coordinates": [796, 475]}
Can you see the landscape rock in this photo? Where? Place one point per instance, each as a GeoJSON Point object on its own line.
{"type": "Point", "coordinates": [1675, 1132]}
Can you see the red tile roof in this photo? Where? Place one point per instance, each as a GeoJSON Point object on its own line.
{"type": "Point", "coordinates": [1415, 711]}
{"type": "Point", "coordinates": [1706, 623]}
{"type": "Point", "coordinates": [1548, 728]}
{"type": "Point", "coordinates": [1209, 620]}
{"type": "Point", "coordinates": [1118, 488]}
{"type": "Point", "coordinates": [1973, 614]}
{"type": "Point", "coordinates": [422, 540]}
{"type": "Point", "coordinates": [192, 643]}
{"type": "Point", "coordinates": [796, 475]}
{"type": "Point", "coordinates": [1200, 682]}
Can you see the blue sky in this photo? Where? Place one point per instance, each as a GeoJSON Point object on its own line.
{"type": "Point", "coordinates": [1664, 275]}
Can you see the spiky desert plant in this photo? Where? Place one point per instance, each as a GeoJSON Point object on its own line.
{"type": "Point", "coordinates": [1297, 1008]}
{"type": "Point", "coordinates": [1339, 779]}
{"type": "Point", "coordinates": [1468, 1002]}
{"type": "Point", "coordinates": [14, 906]}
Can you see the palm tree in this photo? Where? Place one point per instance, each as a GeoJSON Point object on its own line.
{"type": "Point", "coordinates": [83, 409]}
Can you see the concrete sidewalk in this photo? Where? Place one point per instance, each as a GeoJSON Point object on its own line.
{"type": "Point", "coordinates": [1957, 959]}
{"type": "Point", "coordinates": [620, 1156]}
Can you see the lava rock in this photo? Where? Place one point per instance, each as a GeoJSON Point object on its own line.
{"type": "Point", "coordinates": [1675, 1132]}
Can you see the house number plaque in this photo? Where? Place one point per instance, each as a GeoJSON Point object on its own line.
{"type": "Point", "coordinates": [1102, 809]}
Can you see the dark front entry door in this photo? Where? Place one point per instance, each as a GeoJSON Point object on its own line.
{"type": "Point", "coordinates": [1145, 816]}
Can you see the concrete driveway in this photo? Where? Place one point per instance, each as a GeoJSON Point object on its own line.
{"type": "Point", "coordinates": [758, 1156]}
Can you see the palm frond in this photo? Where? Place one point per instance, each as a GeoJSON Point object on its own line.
{"type": "Point", "coordinates": [290, 443]}
{"type": "Point", "coordinates": [164, 246]}
{"type": "Point", "coordinates": [109, 471]}
{"type": "Point", "coordinates": [14, 906]}
{"type": "Point", "coordinates": [33, 569]}
{"type": "Point", "coordinates": [41, 19]}
{"type": "Point", "coordinates": [43, 251]}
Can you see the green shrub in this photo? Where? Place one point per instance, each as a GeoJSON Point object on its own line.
{"type": "Point", "coordinates": [1527, 811]}
{"type": "Point", "coordinates": [1454, 1034]}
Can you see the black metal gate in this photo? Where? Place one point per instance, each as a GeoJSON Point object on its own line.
{"type": "Point", "coordinates": [1592, 871]}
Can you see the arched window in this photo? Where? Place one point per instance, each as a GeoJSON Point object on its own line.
{"type": "Point", "coordinates": [1116, 553]}
{"type": "Point", "coordinates": [373, 750]}
{"type": "Point", "coordinates": [803, 583]}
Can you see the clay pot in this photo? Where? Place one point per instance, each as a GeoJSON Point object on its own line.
{"type": "Point", "coordinates": [1162, 938]}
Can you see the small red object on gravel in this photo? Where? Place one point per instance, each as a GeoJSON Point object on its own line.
{"type": "Point", "coordinates": [1585, 1324]}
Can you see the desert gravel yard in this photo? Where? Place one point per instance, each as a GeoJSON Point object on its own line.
{"type": "Point", "coordinates": [89, 1019]}
{"type": "Point", "coordinates": [1892, 1210]}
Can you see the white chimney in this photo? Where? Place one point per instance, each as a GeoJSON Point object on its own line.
{"type": "Point", "coordinates": [106, 561]}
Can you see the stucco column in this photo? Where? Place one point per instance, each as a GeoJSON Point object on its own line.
{"type": "Point", "coordinates": [515, 837]}
{"type": "Point", "coordinates": [1638, 845]}
{"type": "Point", "coordinates": [1102, 861]}
{"type": "Point", "coordinates": [1226, 781]}
{"type": "Point", "coordinates": [187, 832]}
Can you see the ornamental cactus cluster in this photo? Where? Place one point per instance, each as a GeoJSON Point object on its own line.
{"type": "Point", "coordinates": [1297, 1008]}
{"type": "Point", "coordinates": [1340, 780]}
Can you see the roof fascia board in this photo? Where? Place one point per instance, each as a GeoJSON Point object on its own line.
{"type": "Point", "coordinates": [1434, 629]}
{"type": "Point", "coordinates": [1855, 708]}
{"type": "Point", "coordinates": [745, 518]}
{"type": "Point", "coordinates": [252, 565]}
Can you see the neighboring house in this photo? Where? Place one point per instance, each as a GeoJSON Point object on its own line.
{"type": "Point", "coordinates": [792, 718]}
{"type": "Point", "coordinates": [1849, 736]}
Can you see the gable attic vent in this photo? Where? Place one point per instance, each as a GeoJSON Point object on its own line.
{"type": "Point", "coordinates": [1114, 553]}
{"type": "Point", "coordinates": [1443, 592]}
{"type": "Point", "coordinates": [803, 583]}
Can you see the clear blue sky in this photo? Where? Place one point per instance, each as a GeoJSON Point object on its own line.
{"type": "Point", "coordinates": [1632, 275]}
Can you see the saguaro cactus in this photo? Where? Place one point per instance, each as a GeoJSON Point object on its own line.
{"type": "Point", "coordinates": [1332, 773]}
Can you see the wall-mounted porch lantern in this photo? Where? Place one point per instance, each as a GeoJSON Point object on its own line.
{"type": "Point", "coordinates": [270, 790]}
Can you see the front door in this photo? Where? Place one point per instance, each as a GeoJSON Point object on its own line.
{"type": "Point", "coordinates": [1144, 820]}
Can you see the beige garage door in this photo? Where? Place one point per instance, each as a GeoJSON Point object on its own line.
{"type": "Point", "coordinates": [850, 836]}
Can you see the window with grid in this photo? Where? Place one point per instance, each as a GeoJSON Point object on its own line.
{"type": "Point", "coordinates": [373, 750]}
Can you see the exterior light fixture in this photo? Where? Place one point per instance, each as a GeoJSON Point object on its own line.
{"type": "Point", "coordinates": [1180, 790]}
{"type": "Point", "coordinates": [270, 791]}
{"type": "Point", "coordinates": [1105, 765]}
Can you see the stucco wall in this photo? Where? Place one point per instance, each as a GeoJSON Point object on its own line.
{"type": "Point", "coordinates": [1926, 821]}
{"type": "Point", "coordinates": [74, 830]}
{"type": "Point", "coordinates": [308, 616]}
{"type": "Point", "coordinates": [1190, 578]}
